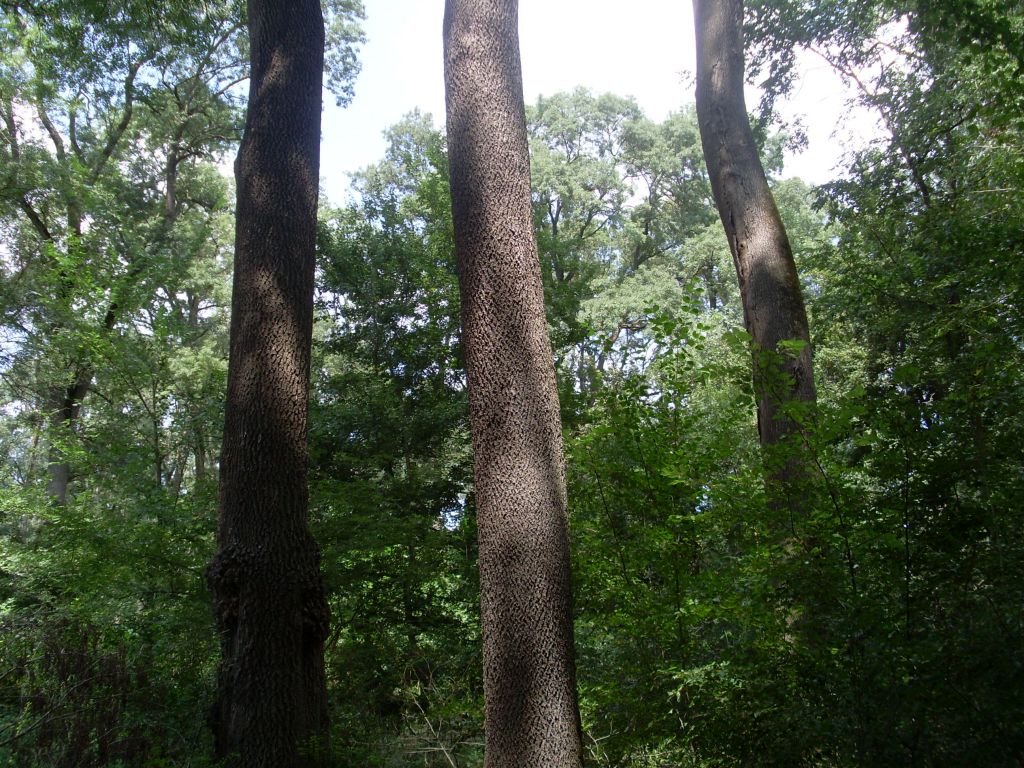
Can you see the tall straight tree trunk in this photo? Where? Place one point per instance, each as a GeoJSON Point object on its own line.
{"type": "Point", "coordinates": [531, 714]}
{"type": "Point", "coordinates": [773, 307]}
{"type": "Point", "coordinates": [269, 601]}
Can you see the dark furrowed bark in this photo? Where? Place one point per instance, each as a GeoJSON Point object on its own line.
{"type": "Point", "coordinates": [773, 306]}
{"type": "Point", "coordinates": [531, 714]}
{"type": "Point", "coordinates": [268, 595]}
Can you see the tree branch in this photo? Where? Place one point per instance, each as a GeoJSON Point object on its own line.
{"type": "Point", "coordinates": [51, 129]}
{"type": "Point", "coordinates": [37, 221]}
{"type": "Point", "coordinates": [73, 135]}
{"type": "Point", "coordinates": [11, 127]}
{"type": "Point", "coordinates": [126, 117]}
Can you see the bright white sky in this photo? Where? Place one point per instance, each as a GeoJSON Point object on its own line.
{"type": "Point", "coordinates": [642, 48]}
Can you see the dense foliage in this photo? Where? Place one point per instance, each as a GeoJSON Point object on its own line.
{"type": "Point", "coordinates": [882, 627]}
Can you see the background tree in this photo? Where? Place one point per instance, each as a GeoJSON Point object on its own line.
{"type": "Point", "coordinates": [79, 85]}
{"type": "Point", "coordinates": [923, 222]}
{"type": "Point", "coordinates": [391, 466]}
{"type": "Point", "coordinates": [116, 250]}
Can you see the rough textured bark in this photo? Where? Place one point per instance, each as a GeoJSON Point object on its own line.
{"type": "Point", "coordinates": [531, 714]}
{"type": "Point", "coordinates": [773, 307]}
{"type": "Point", "coordinates": [268, 596]}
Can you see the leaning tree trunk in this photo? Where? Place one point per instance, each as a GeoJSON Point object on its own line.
{"type": "Point", "coordinates": [268, 596]}
{"type": "Point", "coordinates": [773, 307]}
{"type": "Point", "coordinates": [531, 714]}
